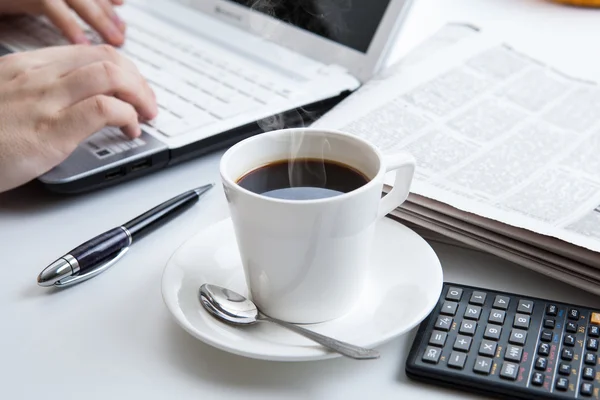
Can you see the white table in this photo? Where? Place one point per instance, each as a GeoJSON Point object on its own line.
{"type": "Point", "coordinates": [112, 337]}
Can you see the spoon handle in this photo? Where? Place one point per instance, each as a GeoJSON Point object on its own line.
{"type": "Point", "coordinates": [346, 349]}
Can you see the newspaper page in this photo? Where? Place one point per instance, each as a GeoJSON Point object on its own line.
{"type": "Point", "coordinates": [495, 133]}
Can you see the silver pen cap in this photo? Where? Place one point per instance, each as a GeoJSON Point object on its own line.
{"type": "Point", "coordinates": [59, 269]}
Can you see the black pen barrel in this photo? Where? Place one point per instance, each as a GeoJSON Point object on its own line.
{"type": "Point", "coordinates": [158, 216]}
{"type": "Point", "coordinates": [100, 249]}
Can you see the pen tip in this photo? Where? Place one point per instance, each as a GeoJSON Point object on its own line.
{"type": "Point", "coordinates": [201, 190]}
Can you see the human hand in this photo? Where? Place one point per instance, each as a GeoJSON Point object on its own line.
{"type": "Point", "coordinates": [99, 14]}
{"type": "Point", "coordinates": [54, 98]}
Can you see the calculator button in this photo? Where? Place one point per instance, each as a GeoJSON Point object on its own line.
{"type": "Point", "coordinates": [483, 365]}
{"type": "Point", "coordinates": [492, 332]}
{"type": "Point", "coordinates": [546, 336]}
{"type": "Point", "coordinates": [449, 308]}
{"type": "Point", "coordinates": [544, 349]}
{"type": "Point", "coordinates": [478, 298]}
{"type": "Point", "coordinates": [525, 306]}
{"type": "Point", "coordinates": [595, 318]}
{"type": "Point", "coordinates": [509, 371]}
{"type": "Point", "coordinates": [569, 340]}
{"type": "Point", "coordinates": [438, 338]}
{"type": "Point", "coordinates": [488, 348]}
{"type": "Point", "coordinates": [586, 389]}
{"type": "Point", "coordinates": [551, 310]}
{"type": "Point", "coordinates": [457, 360]}
{"type": "Point", "coordinates": [432, 355]}
{"type": "Point", "coordinates": [497, 317]}
{"type": "Point", "coordinates": [589, 359]}
{"type": "Point", "coordinates": [573, 314]}
{"type": "Point", "coordinates": [541, 363]}
{"type": "Point", "coordinates": [473, 312]}
{"type": "Point", "coordinates": [443, 323]}
{"type": "Point", "coordinates": [588, 373]}
{"type": "Point", "coordinates": [462, 343]}
{"type": "Point", "coordinates": [564, 369]}
{"type": "Point", "coordinates": [501, 302]}
{"type": "Point", "coordinates": [517, 336]}
{"type": "Point", "coordinates": [593, 331]}
{"type": "Point", "coordinates": [592, 344]}
{"type": "Point", "coordinates": [537, 379]}
{"type": "Point", "coordinates": [454, 294]}
{"type": "Point", "coordinates": [549, 323]}
{"type": "Point", "coordinates": [562, 384]}
{"type": "Point", "coordinates": [468, 328]}
{"type": "Point", "coordinates": [521, 321]}
{"type": "Point", "coordinates": [513, 353]}
{"type": "Point", "coordinates": [571, 327]}
{"type": "Point", "coordinates": [567, 354]}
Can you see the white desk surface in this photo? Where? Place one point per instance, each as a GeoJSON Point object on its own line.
{"type": "Point", "coordinates": [112, 337]}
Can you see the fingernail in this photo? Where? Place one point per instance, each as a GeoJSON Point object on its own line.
{"type": "Point", "coordinates": [114, 34]}
{"type": "Point", "coordinates": [81, 39]}
{"type": "Point", "coordinates": [118, 22]}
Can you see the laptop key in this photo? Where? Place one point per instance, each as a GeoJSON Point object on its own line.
{"type": "Point", "coordinates": [175, 128]}
{"type": "Point", "coordinates": [204, 82]}
{"type": "Point", "coordinates": [225, 110]}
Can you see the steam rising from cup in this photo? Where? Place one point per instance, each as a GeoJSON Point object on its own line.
{"type": "Point", "coordinates": [299, 168]}
{"type": "Point", "coordinates": [325, 18]}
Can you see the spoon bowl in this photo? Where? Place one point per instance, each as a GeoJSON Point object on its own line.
{"type": "Point", "coordinates": [227, 305]}
{"type": "Point", "coordinates": [233, 308]}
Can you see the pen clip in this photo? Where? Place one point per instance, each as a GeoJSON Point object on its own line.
{"type": "Point", "coordinates": [73, 280]}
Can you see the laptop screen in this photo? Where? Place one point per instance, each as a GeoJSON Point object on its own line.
{"type": "Point", "coordinates": [352, 23]}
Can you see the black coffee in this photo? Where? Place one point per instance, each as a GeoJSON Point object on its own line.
{"type": "Point", "coordinates": [303, 179]}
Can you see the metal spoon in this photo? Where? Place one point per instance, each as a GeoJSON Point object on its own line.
{"type": "Point", "coordinates": [235, 309]}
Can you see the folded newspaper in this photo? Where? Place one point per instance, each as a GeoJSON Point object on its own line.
{"type": "Point", "coordinates": [507, 149]}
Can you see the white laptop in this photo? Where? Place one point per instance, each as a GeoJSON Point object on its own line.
{"type": "Point", "coordinates": [224, 70]}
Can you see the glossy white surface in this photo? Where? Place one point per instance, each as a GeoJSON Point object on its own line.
{"type": "Point", "coordinates": [305, 261]}
{"type": "Point", "coordinates": [113, 337]}
{"type": "Point", "coordinates": [397, 296]}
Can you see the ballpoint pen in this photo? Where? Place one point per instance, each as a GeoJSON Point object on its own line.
{"type": "Point", "coordinates": [100, 253]}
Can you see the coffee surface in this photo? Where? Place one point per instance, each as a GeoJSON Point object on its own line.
{"type": "Point", "coordinates": [303, 179]}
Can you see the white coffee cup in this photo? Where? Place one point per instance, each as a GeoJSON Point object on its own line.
{"type": "Point", "coordinates": [306, 261]}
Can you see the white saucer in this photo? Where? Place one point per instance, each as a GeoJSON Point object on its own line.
{"type": "Point", "coordinates": [404, 285]}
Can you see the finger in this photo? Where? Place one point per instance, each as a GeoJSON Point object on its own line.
{"type": "Point", "coordinates": [107, 78]}
{"type": "Point", "coordinates": [64, 59]}
{"type": "Point", "coordinates": [92, 114]}
{"type": "Point", "coordinates": [59, 13]}
{"type": "Point", "coordinates": [109, 10]}
{"type": "Point", "coordinates": [117, 2]}
{"type": "Point", "coordinates": [92, 13]}
{"type": "Point", "coordinates": [60, 61]}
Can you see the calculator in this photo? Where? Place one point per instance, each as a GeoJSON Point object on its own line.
{"type": "Point", "coordinates": [508, 346]}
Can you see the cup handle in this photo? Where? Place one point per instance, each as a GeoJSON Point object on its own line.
{"type": "Point", "coordinates": [404, 165]}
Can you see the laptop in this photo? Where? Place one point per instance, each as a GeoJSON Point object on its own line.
{"type": "Point", "coordinates": [223, 70]}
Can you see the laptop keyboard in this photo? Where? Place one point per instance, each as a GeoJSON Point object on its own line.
{"type": "Point", "coordinates": [195, 85]}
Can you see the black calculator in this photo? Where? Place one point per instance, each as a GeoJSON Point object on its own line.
{"type": "Point", "coordinates": [509, 346]}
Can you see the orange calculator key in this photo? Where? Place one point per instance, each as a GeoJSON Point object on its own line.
{"type": "Point", "coordinates": [595, 319]}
